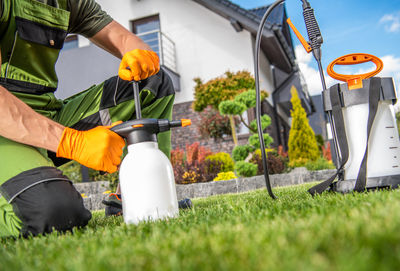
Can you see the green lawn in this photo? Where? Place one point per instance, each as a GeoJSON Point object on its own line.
{"type": "Point", "coordinates": [232, 232]}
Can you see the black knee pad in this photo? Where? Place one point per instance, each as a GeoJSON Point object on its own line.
{"type": "Point", "coordinates": [45, 200]}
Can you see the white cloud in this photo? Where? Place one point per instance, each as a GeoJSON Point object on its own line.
{"type": "Point", "coordinates": [391, 21]}
{"type": "Point", "coordinates": [391, 68]}
{"type": "Point", "coordinates": [310, 74]}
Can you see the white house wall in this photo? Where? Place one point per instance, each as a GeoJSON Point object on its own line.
{"type": "Point", "coordinates": [206, 44]}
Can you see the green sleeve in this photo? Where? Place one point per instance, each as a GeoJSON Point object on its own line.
{"type": "Point", "coordinates": [86, 17]}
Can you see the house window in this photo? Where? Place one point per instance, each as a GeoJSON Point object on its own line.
{"type": "Point", "coordinates": [148, 29]}
{"type": "Point", "coordinates": [243, 130]}
{"type": "Point", "coordinates": [70, 42]}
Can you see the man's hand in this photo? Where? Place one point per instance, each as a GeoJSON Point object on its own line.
{"type": "Point", "coordinates": [135, 54]}
{"type": "Point", "coordinates": [98, 148]}
{"type": "Point", "coordinates": [141, 64]}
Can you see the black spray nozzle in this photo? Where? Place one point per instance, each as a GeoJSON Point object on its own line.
{"type": "Point", "coordinates": [141, 130]}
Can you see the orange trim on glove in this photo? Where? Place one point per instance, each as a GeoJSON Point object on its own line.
{"type": "Point", "coordinates": [98, 148]}
{"type": "Point", "coordinates": [141, 64]}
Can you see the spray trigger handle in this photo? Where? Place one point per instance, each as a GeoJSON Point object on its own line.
{"type": "Point", "coordinates": [150, 126]}
{"type": "Point", "coordinates": [305, 44]}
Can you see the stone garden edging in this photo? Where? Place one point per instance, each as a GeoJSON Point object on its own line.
{"type": "Point", "coordinates": [94, 190]}
{"type": "Point", "coordinates": [297, 176]}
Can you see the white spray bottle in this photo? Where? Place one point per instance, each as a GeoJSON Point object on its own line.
{"type": "Point", "coordinates": [146, 176]}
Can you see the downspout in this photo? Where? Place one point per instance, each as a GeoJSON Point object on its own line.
{"type": "Point", "coordinates": [274, 106]}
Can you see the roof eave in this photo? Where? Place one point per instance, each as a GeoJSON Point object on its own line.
{"type": "Point", "coordinates": [249, 24]}
{"type": "Point", "coordinates": [271, 33]}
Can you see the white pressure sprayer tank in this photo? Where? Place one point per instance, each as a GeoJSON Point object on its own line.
{"type": "Point", "coordinates": [146, 176]}
{"type": "Point", "coordinates": [364, 127]}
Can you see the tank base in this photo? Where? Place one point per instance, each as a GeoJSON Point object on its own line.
{"type": "Point", "coordinates": [384, 182]}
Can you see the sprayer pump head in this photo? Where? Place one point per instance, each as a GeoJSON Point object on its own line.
{"type": "Point", "coordinates": [141, 130]}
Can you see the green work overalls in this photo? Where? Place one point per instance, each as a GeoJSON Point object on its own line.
{"type": "Point", "coordinates": [34, 196]}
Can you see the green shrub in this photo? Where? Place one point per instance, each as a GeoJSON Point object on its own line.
{"type": "Point", "coordinates": [246, 169]}
{"type": "Point", "coordinates": [240, 153]}
{"type": "Point", "coordinates": [265, 122]}
{"type": "Point", "coordinates": [319, 164]}
{"type": "Point", "coordinates": [225, 176]}
{"type": "Point", "coordinates": [248, 97]}
{"type": "Point", "coordinates": [231, 108]}
{"type": "Point", "coordinates": [225, 159]}
{"type": "Point", "coordinates": [255, 142]}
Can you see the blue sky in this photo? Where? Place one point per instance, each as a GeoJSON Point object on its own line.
{"type": "Point", "coordinates": [351, 26]}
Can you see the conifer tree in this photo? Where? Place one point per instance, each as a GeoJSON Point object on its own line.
{"type": "Point", "coordinates": [302, 143]}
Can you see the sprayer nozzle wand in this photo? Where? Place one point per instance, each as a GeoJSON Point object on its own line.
{"type": "Point", "coordinates": [135, 86]}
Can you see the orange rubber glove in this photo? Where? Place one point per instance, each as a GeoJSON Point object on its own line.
{"type": "Point", "coordinates": [98, 148]}
{"type": "Point", "coordinates": [141, 63]}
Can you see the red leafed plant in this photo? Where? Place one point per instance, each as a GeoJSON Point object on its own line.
{"type": "Point", "coordinates": [190, 166]}
{"type": "Point", "coordinates": [282, 152]}
{"type": "Point", "coordinates": [177, 157]}
{"type": "Point", "coordinates": [326, 151]}
{"type": "Point", "coordinates": [213, 124]}
{"type": "Point", "coordinates": [195, 152]}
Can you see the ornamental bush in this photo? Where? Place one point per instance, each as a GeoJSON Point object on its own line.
{"type": "Point", "coordinates": [193, 168]}
{"type": "Point", "coordinates": [231, 108]}
{"type": "Point", "coordinates": [276, 163]}
{"type": "Point", "coordinates": [248, 98]}
{"type": "Point", "coordinates": [220, 89]}
{"type": "Point", "coordinates": [246, 169]}
{"type": "Point", "coordinates": [213, 124]}
{"type": "Point", "coordinates": [255, 142]}
{"type": "Point", "coordinates": [225, 176]}
{"type": "Point", "coordinates": [227, 163]}
{"type": "Point", "coordinates": [197, 172]}
{"type": "Point", "coordinates": [265, 122]}
{"type": "Point", "coordinates": [302, 142]}
{"type": "Point", "coordinates": [240, 153]}
{"type": "Point", "coordinates": [177, 157]}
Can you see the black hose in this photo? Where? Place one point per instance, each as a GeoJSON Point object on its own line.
{"type": "Point", "coordinates": [258, 95]}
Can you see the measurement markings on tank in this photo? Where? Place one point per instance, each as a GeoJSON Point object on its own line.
{"type": "Point", "coordinates": [394, 166]}
{"type": "Point", "coordinates": [389, 127]}
{"type": "Point", "coordinates": [392, 148]}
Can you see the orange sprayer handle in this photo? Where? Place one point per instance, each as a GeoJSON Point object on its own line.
{"type": "Point", "coordinates": [354, 81]}
{"type": "Point", "coordinates": [305, 44]}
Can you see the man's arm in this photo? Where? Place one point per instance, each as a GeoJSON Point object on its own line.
{"type": "Point", "coordinates": [98, 148]}
{"type": "Point", "coordinates": [117, 40]}
{"type": "Point", "coordinates": [21, 123]}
